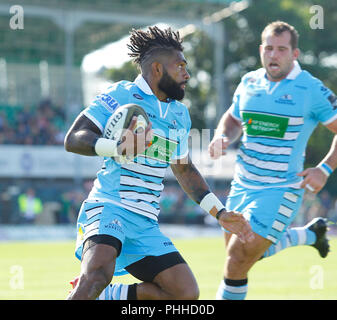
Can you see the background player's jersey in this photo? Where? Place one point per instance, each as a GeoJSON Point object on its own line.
{"type": "Point", "coordinates": [278, 119]}
{"type": "Point", "coordinates": [137, 186]}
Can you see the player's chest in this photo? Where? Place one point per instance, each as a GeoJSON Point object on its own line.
{"type": "Point", "coordinates": [165, 118]}
{"type": "Point", "coordinates": [275, 99]}
{"type": "Point", "coordinates": [272, 111]}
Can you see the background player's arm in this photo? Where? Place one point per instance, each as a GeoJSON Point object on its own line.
{"type": "Point", "coordinates": [229, 126]}
{"type": "Point", "coordinates": [314, 177]}
{"type": "Point", "coordinates": [229, 129]}
{"type": "Point", "coordinates": [198, 190]}
{"type": "Point", "coordinates": [331, 157]}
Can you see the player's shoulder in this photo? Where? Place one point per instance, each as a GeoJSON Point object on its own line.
{"type": "Point", "coordinates": [115, 94]}
{"type": "Point", "coordinates": [315, 85]}
{"type": "Point", "coordinates": [306, 76]}
{"type": "Point", "coordinates": [123, 85]}
{"type": "Point", "coordinates": [253, 76]}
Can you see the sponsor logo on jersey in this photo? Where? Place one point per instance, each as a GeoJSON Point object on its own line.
{"type": "Point", "coordinates": [286, 99]}
{"type": "Point", "coordinates": [333, 100]}
{"type": "Point", "coordinates": [151, 116]}
{"type": "Point", "coordinates": [260, 124]}
{"type": "Point", "coordinates": [173, 124]}
{"type": "Point", "coordinates": [108, 102]}
{"type": "Point", "coordinates": [161, 149]}
{"type": "Point", "coordinates": [138, 96]}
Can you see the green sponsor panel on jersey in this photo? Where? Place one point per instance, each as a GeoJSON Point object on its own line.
{"type": "Point", "coordinates": [161, 149]}
{"type": "Point", "coordinates": [259, 124]}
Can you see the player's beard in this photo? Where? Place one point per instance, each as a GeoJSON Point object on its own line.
{"type": "Point", "coordinates": [277, 76]}
{"type": "Point", "coordinates": [281, 74]}
{"type": "Point", "coordinates": [171, 87]}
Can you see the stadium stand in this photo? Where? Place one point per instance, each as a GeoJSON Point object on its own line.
{"type": "Point", "coordinates": [39, 125]}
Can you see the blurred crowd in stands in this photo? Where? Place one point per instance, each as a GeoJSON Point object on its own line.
{"type": "Point", "coordinates": [41, 125]}
{"type": "Point", "coordinates": [59, 204]}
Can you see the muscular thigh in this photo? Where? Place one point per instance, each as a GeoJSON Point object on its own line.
{"type": "Point", "coordinates": [100, 253]}
{"type": "Point", "coordinates": [169, 273]}
{"type": "Point", "coordinates": [178, 281]}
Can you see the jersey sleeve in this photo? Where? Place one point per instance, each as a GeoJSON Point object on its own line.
{"type": "Point", "coordinates": [324, 106]}
{"type": "Point", "coordinates": [182, 148]}
{"type": "Point", "coordinates": [104, 105]}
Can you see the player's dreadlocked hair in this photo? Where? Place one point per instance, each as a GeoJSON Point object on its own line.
{"type": "Point", "coordinates": [144, 45]}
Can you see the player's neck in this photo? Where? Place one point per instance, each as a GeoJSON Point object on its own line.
{"type": "Point", "coordinates": [162, 96]}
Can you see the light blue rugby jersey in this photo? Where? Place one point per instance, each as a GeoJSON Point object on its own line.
{"type": "Point", "coordinates": [137, 186]}
{"type": "Point", "coordinates": [278, 119]}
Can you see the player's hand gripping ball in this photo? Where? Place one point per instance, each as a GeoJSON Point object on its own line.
{"type": "Point", "coordinates": [121, 120]}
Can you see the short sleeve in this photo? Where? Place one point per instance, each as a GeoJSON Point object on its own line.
{"type": "Point", "coordinates": [324, 106]}
{"type": "Point", "coordinates": [102, 107]}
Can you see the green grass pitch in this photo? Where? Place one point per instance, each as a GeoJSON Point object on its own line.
{"type": "Point", "coordinates": [36, 270]}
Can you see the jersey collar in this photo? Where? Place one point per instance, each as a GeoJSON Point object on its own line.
{"type": "Point", "coordinates": [143, 85]}
{"type": "Point", "coordinates": [296, 70]}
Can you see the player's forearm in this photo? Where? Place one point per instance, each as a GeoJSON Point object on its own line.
{"type": "Point", "coordinates": [197, 189]}
{"type": "Point", "coordinates": [191, 181]}
{"type": "Point", "coordinates": [229, 127]}
{"type": "Point", "coordinates": [331, 158]}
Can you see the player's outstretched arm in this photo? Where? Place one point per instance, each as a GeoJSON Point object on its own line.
{"type": "Point", "coordinates": [198, 190]}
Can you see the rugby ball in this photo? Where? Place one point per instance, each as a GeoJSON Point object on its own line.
{"type": "Point", "coordinates": [121, 119]}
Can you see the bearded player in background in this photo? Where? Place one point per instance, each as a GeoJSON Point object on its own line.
{"type": "Point", "coordinates": [276, 108]}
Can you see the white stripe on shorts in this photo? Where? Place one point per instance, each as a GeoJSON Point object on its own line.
{"type": "Point", "coordinates": [290, 196]}
{"type": "Point", "coordinates": [285, 211]}
{"type": "Point", "coordinates": [271, 238]}
{"type": "Point", "coordinates": [92, 212]}
{"type": "Point", "coordinates": [277, 225]}
{"type": "Point", "coordinates": [91, 229]}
